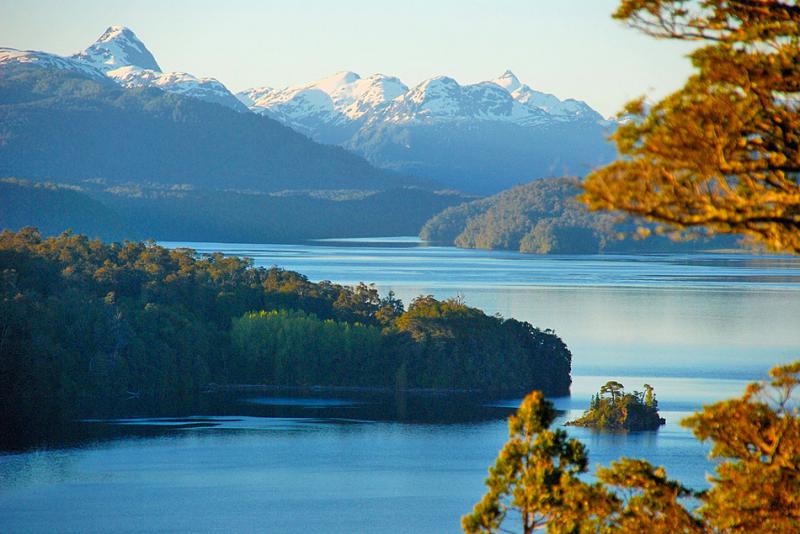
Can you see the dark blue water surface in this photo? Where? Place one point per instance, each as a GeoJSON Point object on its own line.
{"type": "Point", "coordinates": [697, 328]}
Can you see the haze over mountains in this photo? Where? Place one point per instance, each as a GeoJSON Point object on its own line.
{"type": "Point", "coordinates": [148, 154]}
{"type": "Point", "coordinates": [481, 137]}
{"type": "Point", "coordinates": [167, 154]}
{"type": "Point", "coordinates": [109, 112]}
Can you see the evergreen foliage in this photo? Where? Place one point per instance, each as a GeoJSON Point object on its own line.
{"type": "Point", "coordinates": [166, 213]}
{"type": "Point", "coordinates": [614, 409]}
{"type": "Point", "coordinates": [87, 326]}
{"type": "Point", "coordinates": [536, 483]}
{"type": "Point", "coordinates": [756, 437]}
{"type": "Point", "coordinates": [544, 217]}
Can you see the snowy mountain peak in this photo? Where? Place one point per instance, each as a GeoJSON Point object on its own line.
{"type": "Point", "coordinates": [508, 81]}
{"type": "Point", "coordinates": [338, 100]}
{"type": "Point", "coordinates": [337, 81]}
{"type": "Point", "coordinates": [116, 32]}
{"type": "Point", "coordinates": [118, 47]}
{"type": "Point", "coordinates": [439, 81]}
{"type": "Point", "coordinates": [11, 57]}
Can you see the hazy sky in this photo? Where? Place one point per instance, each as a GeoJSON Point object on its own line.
{"type": "Point", "coordinates": [570, 48]}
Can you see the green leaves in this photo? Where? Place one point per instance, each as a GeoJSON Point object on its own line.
{"type": "Point", "coordinates": [536, 473]}
{"type": "Point", "coordinates": [613, 409]}
{"type": "Point", "coordinates": [756, 488]}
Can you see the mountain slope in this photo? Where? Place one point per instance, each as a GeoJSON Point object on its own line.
{"type": "Point", "coordinates": [11, 58]}
{"type": "Point", "coordinates": [481, 138]}
{"type": "Point", "coordinates": [120, 56]}
{"type": "Point", "coordinates": [118, 47]}
{"type": "Point", "coordinates": [544, 217]}
{"type": "Point", "coordinates": [183, 214]}
{"type": "Point", "coordinates": [328, 110]}
{"type": "Point", "coordinates": [62, 125]}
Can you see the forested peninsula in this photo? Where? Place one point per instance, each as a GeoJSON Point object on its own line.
{"type": "Point", "coordinates": [86, 325]}
{"type": "Point", "coordinates": [545, 217]}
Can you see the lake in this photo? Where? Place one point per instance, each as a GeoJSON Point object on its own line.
{"type": "Point", "coordinates": [696, 327]}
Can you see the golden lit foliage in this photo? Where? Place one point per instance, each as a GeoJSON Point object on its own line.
{"type": "Point", "coordinates": [757, 486]}
{"type": "Point", "coordinates": [535, 482]}
{"type": "Point", "coordinates": [722, 153]}
{"type": "Point", "coordinates": [650, 500]}
{"type": "Point", "coordinates": [535, 478]}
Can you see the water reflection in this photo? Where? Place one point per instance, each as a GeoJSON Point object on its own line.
{"type": "Point", "coordinates": [306, 461]}
{"type": "Point", "coordinates": [720, 315]}
{"type": "Point", "coordinates": [265, 458]}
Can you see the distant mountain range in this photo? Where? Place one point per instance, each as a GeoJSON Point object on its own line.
{"type": "Point", "coordinates": [139, 153]}
{"type": "Point", "coordinates": [119, 55]}
{"type": "Point", "coordinates": [328, 109]}
{"type": "Point", "coordinates": [110, 120]}
{"type": "Point", "coordinates": [109, 112]}
{"type": "Point", "coordinates": [481, 138]}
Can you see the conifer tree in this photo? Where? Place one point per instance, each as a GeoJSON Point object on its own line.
{"type": "Point", "coordinates": [534, 481]}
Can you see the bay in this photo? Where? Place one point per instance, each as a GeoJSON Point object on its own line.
{"type": "Point", "coordinates": [696, 327]}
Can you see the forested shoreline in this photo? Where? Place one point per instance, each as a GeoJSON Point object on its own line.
{"type": "Point", "coordinates": [88, 327]}
{"type": "Point", "coordinates": [116, 211]}
{"type": "Point", "coordinates": [546, 217]}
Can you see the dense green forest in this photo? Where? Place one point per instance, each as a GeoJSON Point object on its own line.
{"type": "Point", "coordinates": [135, 211]}
{"type": "Point", "coordinates": [88, 326]}
{"type": "Point", "coordinates": [615, 409]}
{"type": "Point", "coordinates": [544, 217]}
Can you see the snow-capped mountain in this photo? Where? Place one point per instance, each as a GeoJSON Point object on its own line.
{"type": "Point", "coordinates": [346, 97]}
{"type": "Point", "coordinates": [328, 110]}
{"type": "Point", "coordinates": [118, 47]}
{"type": "Point", "coordinates": [442, 99]}
{"type": "Point", "coordinates": [120, 56]}
{"type": "Point", "coordinates": [208, 89]}
{"type": "Point", "coordinates": [480, 137]}
{"type": "Point", "coordinates": [12, 56]}
{"type": "Point", "coordinates": [125, 59]}
{"type": "Point", "coordinates": [560, 110]}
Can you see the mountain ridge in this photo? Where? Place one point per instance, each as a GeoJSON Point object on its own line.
{"type": "Point", "coordinates": [119, 55]}
{"type": "Point", "coordinates": [481, 137]}
{"type": "Point", "coordinates": [69, 126]}
{"type": "Point", "coordinates": [530, 103]}
{"type": "Point", "coordinates": [545, 217]}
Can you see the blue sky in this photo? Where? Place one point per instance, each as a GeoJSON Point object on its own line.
{"type": "Point", "coordinates": [570, 48]}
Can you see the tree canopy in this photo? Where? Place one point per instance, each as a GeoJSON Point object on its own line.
{"type": "Point", "coordinates": [757, 438]}
{"type": "Point", "coordinates": [544, 217]}
{"type": "Point", "coordinates": [536, 481]}
{"type": "Point", "coordinates": [614, 409]}
{"type": "Point", "coordinates": [88, 327]}
{"type": "Point", "coordinates": [722, 154]}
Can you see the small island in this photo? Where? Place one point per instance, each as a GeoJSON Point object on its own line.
{"type": "Point", "coordinates": [614, 409]}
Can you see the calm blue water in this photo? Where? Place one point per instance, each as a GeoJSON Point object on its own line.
{"type": "Point", "coordinates": [695, 327]}
{"type": "Point", "coordinates": [683, 315]}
